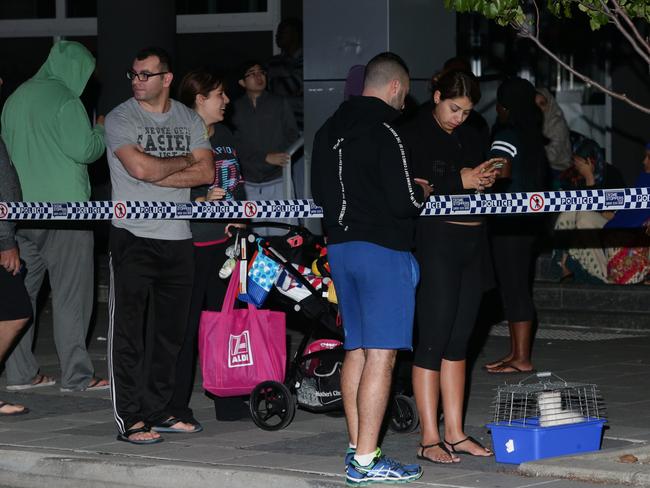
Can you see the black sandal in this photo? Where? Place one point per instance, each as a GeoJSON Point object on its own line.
{"type": "Point", "coordinates": [452, 447]}
{"type": "Point", "coordinates": [125, 437]}
{"type": "Point", "coordinates": [442, 447]}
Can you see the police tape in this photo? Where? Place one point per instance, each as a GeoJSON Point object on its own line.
{"type": "Point", "coordinates": [479, 204]}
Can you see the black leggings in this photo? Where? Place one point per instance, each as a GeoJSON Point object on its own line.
{"type": "Point", "coordinates": [208, 292]}
{"type": "Point", "coordinates": [513, 260]}
{"type": "Point", "coordinates": [450, 291]}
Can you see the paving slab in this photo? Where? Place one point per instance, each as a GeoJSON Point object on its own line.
{"type": "Point", "coordinates": [604, 466]}
{"type": "Point", "coordinates": [70, 438]}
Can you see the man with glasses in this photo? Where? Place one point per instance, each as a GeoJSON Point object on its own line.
{"type": "Point", "coordinates": [265, 128]}
{"type": "Point", "coordinates": [157, 151]}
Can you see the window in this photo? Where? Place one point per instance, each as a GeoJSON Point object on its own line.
{"type": "Point", "coordinates": [193, 7]}
{"type": "Point", "coordinates": [81, 8]}
{"type": "Point", "coordinates": [27, 9]}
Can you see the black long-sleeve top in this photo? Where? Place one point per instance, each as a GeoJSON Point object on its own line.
{"type": "Point", "coordinates": [362, 178]}
{"type": "Point", "coordinates": [438, 156]}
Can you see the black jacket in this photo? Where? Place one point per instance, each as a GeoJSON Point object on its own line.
{"type": "Point", "coordinates": [438, 157]}
{"type": "Point", "coordinates": [361, 177]}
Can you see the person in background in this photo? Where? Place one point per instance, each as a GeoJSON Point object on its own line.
{"type": "Point", "coordinates": [285, 70]}
{"type": "Point", "coordinates": [618, 255]}
{"type": "Point", "coordinates": [15, 306]}
{"type": "Point", "coordinates": [264, 130]}
{"type": "Point", "coordinates": [204, 92]}
{"type": "Point", "coordinates": [518, 138]}
{"type": "Point", "coordinates": [354, 81]}
{"type": "Point", "coordinates": [51, 142]}
{"type": "Point", "coordinates": [361, 176]}
{"type": "Point", "coordinates": [556, 132]}
{"type": "Point", "coordinates": [452, 253]}
{"type": "Point", "coordinates": [631, 264]}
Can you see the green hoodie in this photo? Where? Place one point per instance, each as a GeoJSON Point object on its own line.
{"type": "Point", "coordinates": [47, 131]}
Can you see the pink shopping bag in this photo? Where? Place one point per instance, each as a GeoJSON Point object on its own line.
{"type": "Point", "coordinates": [239, 348]}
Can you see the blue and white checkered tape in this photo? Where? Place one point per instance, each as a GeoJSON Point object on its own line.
{"type": "Point", "coordinates": [478, 204]}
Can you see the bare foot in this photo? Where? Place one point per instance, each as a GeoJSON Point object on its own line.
{"type": "Point", "coordinates": [468, 445]}
{"type": "Point", "coordinates": [143, 436]}
{"type": "Point", "coordinates": [437, 453]}
{"type": "Point", "coordinates": [183, 426]}
{"type": "Point", "coordinates": [7, 408]}
{"type": "Point", "coordinates": [498, 362]}
{"type": "Point", "coordinates": [513, 367]}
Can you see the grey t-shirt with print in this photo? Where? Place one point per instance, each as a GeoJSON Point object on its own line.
{"type": "Point", "coordinates": [176, 132]}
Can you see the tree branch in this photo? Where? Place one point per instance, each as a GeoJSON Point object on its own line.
{"type": "Point", "coordinates": [619, 96]}
{"type": "Point", "coordinates": [626, 34]}
{"type": "Point", "coordinates": [537, 16]}
{"type": "Point", "coordinates": [588, 6]}
{"type": "Point", "coordinates": [619, 10]}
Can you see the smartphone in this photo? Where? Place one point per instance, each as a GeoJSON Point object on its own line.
{"type": "Point", "coordinates": [498, 164]}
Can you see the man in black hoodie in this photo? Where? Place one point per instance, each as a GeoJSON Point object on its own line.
{"type": "Point", "coordinates": [361, 177]}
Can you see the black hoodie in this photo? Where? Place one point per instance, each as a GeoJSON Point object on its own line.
{"type": "Point", "coordinates": [362, 178]}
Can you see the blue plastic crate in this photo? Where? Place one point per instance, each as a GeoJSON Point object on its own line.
{"type": "Point", "coordinates": [517, 442]}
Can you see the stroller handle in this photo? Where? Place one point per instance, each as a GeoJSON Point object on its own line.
{"type": "Point", "coordinates": [279, 225]}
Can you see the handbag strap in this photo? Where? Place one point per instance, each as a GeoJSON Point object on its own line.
{"type": "Point", "coordinates": [232, 291]}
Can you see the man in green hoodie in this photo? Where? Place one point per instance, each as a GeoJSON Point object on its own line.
{"type": "Point", "coordinates": [50, 140]}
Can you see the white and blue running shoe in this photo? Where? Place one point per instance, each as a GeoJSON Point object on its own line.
{"type": "Point", "coordinates": [351, 451]}
{"type": "Point", "coordinates": [381, 470]}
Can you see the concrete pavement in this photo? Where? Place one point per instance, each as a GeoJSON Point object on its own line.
{"type": "Point", "coordinates": [69, 439]}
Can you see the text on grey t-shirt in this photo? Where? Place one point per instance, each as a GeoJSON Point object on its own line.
{"type": "Point", "coordinates": [176, 132]}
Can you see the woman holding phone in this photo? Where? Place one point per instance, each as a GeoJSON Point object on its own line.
{"type": "Point", "coordinates": [454, 262]}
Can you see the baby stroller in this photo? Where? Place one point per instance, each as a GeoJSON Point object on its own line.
{"type": "Point", "coordinates": [313, 375]}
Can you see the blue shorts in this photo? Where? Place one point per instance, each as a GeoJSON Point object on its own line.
{"type": "Point", "coordinates": [375, 287]}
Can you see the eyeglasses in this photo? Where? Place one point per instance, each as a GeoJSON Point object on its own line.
{"type": "Point", "coordinates": [144, 76]}
{"type": "Point", "coordinates": [257, 72]}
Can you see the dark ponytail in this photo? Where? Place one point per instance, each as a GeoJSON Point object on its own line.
{"type": "Point", "coordinates": [198, 81]}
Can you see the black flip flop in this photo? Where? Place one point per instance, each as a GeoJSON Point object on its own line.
{"type": "Point", "coordinates": [515, 368]}
{"type": "Point", "coordinates": [124, 437]}
{"type": "Point", "coordinates": [167, 427]}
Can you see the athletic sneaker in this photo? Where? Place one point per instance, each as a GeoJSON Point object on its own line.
{"type": "Point", "coordinates": [381, 470]}
{"type": "Point", "coordinates": [351, 451]}
{"type": "Point", "coordinates": [349, 456]}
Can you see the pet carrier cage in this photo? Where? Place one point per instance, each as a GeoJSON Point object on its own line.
{"type": "Point", "coordinates": [546, 418]}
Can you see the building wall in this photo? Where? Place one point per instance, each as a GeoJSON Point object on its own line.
{"type": "Point", "coordinates": [340, 34]}
{"type": "Point", "coordinates": [630, 127]}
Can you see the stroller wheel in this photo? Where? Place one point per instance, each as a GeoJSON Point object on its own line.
{"type": "Point", "coordinates": [272, 405]}
{"type": "Point", "coordinates": [403, 414]}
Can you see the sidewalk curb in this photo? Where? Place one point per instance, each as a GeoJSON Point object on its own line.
{"type": "Point", "coordinates": [50, 468]}
{"type": "Point", "coordinates": [601, 466]}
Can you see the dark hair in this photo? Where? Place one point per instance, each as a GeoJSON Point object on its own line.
{"type": "Point", "coordinates": [384, 68]}
{"type": "Point", "coordinates": [248, 64]}
{"type": "Point", "coordinates": [456, 83]}
{"type": "Point", "coordinates": [526, 119]}
{"type": "Point", "coordinates": [292, 23]}
{"type": "Point", "coordinates": [198, 82]}
{"type": "Point", "coordinates": [160, 53]}
{"type": "Point", "coordinates": [518, 96]}
{"type": "Point", "coordinates": [457, 63]}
